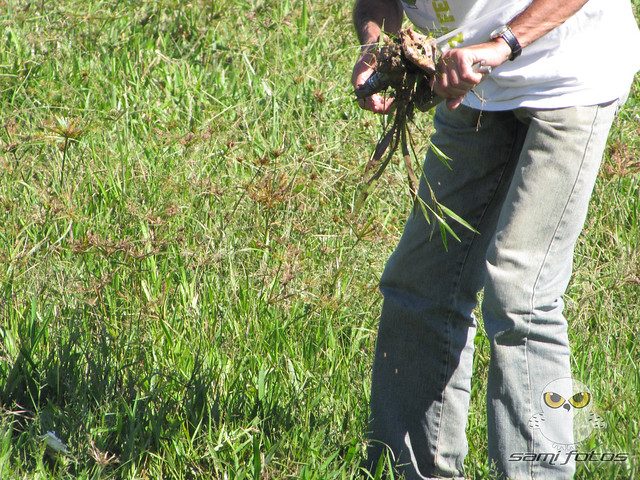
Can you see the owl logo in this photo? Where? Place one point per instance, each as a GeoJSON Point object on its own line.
{"type": "Point", "coordinates": [567, 416]}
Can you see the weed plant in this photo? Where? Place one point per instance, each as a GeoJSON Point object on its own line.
{"type": "Point", "coordinates": [185, 292]}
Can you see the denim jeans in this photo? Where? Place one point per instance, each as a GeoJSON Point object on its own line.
{"type": "Point", "coordinates": [522, 179]}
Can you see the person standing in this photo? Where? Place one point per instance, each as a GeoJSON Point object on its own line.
{"type": "Point", "coordinates": [525, 149]}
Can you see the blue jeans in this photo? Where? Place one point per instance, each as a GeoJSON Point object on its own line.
{"type": "Point", "coordinates": [523, 180]}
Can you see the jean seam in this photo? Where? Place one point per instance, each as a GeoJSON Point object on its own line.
{"type": "Point", "coordinates": [540, 270]}
{"type": "Point", "coordinates": [457, 284]}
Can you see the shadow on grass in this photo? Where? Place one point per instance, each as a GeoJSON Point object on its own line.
{"type": "Point", "coordinates": [120, 399]}
{"type": "Point", "coordinates": [103, 395]}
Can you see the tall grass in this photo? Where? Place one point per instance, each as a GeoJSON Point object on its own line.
{"type": "Point", "coordinates": [185, 291]}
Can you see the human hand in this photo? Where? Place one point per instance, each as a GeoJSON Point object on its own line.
{"type": "Point", "coordinates": [362, 70]}
{"type": "Point", "coordinates": [458, 71]}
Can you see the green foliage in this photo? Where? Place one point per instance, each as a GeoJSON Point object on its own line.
{"type": "Point", "coordinates": [184, 290]}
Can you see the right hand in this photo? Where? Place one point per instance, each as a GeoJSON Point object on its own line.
{"type": "Point", "coordinates": [456, 75]}
{"type": "Point", "coordinates": [362, 70]}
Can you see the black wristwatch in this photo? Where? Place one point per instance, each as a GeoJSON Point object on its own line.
{"type": "Point", "coordinates": [507, 35]}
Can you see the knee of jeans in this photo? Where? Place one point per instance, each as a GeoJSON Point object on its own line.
{"type": "Point", "coordinates": [502, 319]}
{"type": "Point", "coordinates": [514, 315]}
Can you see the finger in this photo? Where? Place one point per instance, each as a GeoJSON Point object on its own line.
{"type": "Point", "coordinates": [451, 91]}
{"type": "Point", "coordinates": [453, 103]}
{"type": "Point", "coordinates": [473, 74]}
{"type": "Point", "coordinates": [376, 103]}
{"type": "Point", "coordinates": [456, 79]}
{"type": "Point", "coordinates": [460, 72]}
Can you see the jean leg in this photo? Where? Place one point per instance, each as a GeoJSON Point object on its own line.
{"type": "Point", "coordinates": [529, 266]}
{"type": "Point", "coordinates": [424, 353]}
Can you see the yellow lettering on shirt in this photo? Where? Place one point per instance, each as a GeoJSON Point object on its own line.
{"type": "Point", "coordinates": [443, 12]}
{"type": "Point", "coordinates": [440, 6]}
{"type": "Point", "coordinates": [457, 40]}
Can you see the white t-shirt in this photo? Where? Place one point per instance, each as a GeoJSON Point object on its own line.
{"type": "Point", "coordinates": [589, 60]}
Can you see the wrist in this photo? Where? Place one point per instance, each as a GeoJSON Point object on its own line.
{"type": "Point", "coordinates": [368, 56]}
{"type": "Point", "coordinates": [502, 49]}
{"type": "Point", "coordinates": [368, 34]}
{"type": "Point", "coordinates": [505, 34]}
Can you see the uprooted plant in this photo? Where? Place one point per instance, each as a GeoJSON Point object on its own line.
{"type": "Point", "coordinates": [406, 65]}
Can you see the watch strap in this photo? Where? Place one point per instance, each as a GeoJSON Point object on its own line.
{"type": "Point", "coordinates": [508, 36]}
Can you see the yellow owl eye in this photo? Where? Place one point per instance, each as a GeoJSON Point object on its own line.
{"type": "Point", "coordinates": [553, 400]}
{"type": "Point", "coordinates": [580, 400]}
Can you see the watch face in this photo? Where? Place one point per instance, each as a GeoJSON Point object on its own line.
{"type": "Point", "coordinates": [498, 31]}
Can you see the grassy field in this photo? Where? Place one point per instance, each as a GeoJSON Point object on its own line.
{"type": "Point", "coordinates": [185, 291]}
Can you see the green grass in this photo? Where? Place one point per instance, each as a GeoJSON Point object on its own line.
{"type": "Point", "coordinates": [184, 290]}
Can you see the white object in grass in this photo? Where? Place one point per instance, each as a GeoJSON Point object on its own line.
{"type": "Point", "coordinates": [53, 442]}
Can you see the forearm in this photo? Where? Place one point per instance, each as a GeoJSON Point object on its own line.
{"type": "Point", "coordinates": [457, 76]}
{"type": "Point", "coordinates": [534, 22]}
{"type": "Point", "coordinates": [371, 17]}
{"type": "Point", "coordinates": [542, 16]}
